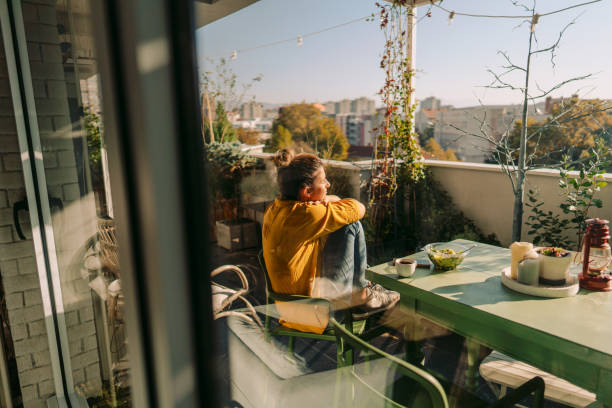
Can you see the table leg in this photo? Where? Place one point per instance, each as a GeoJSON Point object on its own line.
{"type": "Point", "coordinates": [473, 361]}
{"type": "Point", "coordinates": [411, 331]}
{"type": "Point", "coordinates": [414, 354]}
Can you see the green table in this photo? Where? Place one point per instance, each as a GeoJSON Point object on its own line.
{"type": "Point", "coordinates": [568, 337]}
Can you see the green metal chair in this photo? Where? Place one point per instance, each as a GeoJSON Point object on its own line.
{"type": "Point", "coordinates": [414, 386]}
{"type": "Point", "coordinates": [355, 326]}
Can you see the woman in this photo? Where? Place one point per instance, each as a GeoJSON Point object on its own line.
{"type": "Point", "coordinates": [314, 245]}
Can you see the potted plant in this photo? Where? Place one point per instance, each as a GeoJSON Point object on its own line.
{"type": "Point", "coordinates": [554, 265]}
{"type": "Point", "coordinates": [227, 165]}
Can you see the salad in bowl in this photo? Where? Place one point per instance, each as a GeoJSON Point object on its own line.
{"type": "Point", "coordinates": [446, 256]}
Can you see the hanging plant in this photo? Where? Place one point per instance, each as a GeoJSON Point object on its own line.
{"type": "Point", "coordinates": [396, 150]}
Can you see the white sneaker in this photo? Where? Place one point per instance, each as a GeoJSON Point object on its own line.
{"type": "Point", "coordinates": [378, 300]}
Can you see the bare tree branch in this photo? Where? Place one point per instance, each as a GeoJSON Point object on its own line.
{"type": "Point", "coordinates": [554, 46]}
{"type": "Point", "coordinates": [515, 161]}
{"type": "Point", "coordinates": [510, 63]}
{"type": "Point", "coordinates": [502, 84]}
{"type": "Point", "coordinates": [517, 4]}
{"type": "Point", "coordinates": [561, 84]}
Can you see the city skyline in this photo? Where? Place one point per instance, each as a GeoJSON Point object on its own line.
{"type": "Point", "coordinates": [451, 59]}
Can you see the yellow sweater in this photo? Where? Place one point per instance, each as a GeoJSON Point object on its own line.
{"type": "Point", "coordinates": [294, 233]}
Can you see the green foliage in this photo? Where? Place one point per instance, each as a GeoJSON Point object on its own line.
{"type": "Point", "coordinates": [227, 164]}
{"type": "Point", "coordinates": [281, 139]}
{"type": "Point", "coordinates": [579, 192]}
{"type": "Point", "coordinates": [340, 182]}
{"type": "Point", "coordinates": [435, 217]}
{"type": "Point", "coordinates": [549, 228]}
{"type": "Point", "coordinates": [578, 198]}
{"type": "Point", "coordinates": [259, 184]}
{"type": "Point", "coordinates": [224, 131]}
{"type": "Point", "coordinates": [94, 148]}
{"type": "Point", "coordinates": [122, 399]}
{"type": "Point", "coordinates": [396, 150]}
{"type": "Point", "coordinates": [94, 140]}
{"type": "Point", "coordinates": [306, 125]}
{"type": "Point", "coordinates": [430, 216]}
{"type": "Point", "coordinates": [396, 140]}
{"type": "Point", "coordinates": [221, 88]}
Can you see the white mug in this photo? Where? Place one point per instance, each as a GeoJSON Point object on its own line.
{"type": "Point", "coordinates": [405, 267]}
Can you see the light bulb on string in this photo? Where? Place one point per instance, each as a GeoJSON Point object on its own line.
{"type": "Point", "coordinates": [234, 54]}
{"type": "Point", "coordinates": [451, 16]}
{"type": "Point", "coordinates": [534, 20]}
{"type": "Point", "coordinates": [299, 41]}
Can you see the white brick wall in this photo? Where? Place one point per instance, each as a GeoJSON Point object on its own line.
{"type": "Point", "coordinates": [18, 272]}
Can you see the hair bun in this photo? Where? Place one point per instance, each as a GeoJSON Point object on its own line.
{"type": "Point", "coordinates": [283, 157]}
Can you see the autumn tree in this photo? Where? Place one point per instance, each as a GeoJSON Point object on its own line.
{"type": "Point", "coordinates": [248, 136]}
{"type": "Point", "coordinates": [434, 148]}
{"type": "Point", "coordinates": [426, 134]}
{"type": "Point", "coordinates": [281, 139]}
{"type": "Point", "coordinates": [307, 126]}
{"type": "Point", "coordinates": [583, 122]}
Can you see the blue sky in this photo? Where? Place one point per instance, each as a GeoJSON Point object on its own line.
{"type": "Point", "coordinates": [452, 60]}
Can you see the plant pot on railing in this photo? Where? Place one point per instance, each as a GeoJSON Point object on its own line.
{"type": "Point", "coordinates": [237, 234]}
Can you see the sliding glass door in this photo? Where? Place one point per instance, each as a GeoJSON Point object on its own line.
{"type": "Point", "coordinates": [102, 207]}
{"type": "Point", "coordinates": [63, 305]}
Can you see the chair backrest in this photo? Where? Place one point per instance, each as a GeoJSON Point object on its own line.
{"type": "Point", "coordinates": [109, 249]}
{"type": "Point", "coordinates": [262, 263]}
{"type": "Point", "coordinates": [422, 389]}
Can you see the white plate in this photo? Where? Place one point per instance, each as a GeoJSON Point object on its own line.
{"type": "Point", "coordinates": [570, 288]}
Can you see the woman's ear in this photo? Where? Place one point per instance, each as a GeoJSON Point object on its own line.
{"type": "Point", "coordinates": [304, 193]}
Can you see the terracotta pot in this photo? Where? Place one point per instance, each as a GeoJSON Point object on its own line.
{"type": "Point", "coordinates": [554, 270]}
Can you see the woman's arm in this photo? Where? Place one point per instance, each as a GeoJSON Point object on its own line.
{"type": "Point", "coordinates": [333, 198]}
{"type": "Point", "coordinates": [362, 209]}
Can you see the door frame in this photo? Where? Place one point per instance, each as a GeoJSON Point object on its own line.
{"type": "Point", "coordinates": [152, 130]}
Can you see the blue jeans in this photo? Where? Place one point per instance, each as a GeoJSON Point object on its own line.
{"type": "Point", "coordinates": [344, 262]}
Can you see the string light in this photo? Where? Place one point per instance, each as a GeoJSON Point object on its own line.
{"type": "Point", "coordinates": [451, 15]}
{"type": "Point", "coordinates": [534, 21]}
{"type": "Point", "coordinates": [299, 38]}
{"type": "Point", "coordinates": [502, 16]}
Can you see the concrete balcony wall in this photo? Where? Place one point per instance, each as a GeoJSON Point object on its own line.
{"type": "Point", "coordinates": [482, 191]}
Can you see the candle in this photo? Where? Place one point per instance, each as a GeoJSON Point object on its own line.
{"type": "Point", "coordinates": [519, 251]}
{"type": "Point", "coordinates": [529, 271]}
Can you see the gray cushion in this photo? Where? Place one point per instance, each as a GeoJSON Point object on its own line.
{"type": "Point", "coordinates": [263, 374]}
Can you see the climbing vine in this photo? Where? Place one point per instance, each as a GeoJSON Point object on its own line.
{"type": "Point", "coordinates": [397, 152]}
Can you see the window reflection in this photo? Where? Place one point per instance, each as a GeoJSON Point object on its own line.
{"type": "Point", "coordinates": [82, 259]}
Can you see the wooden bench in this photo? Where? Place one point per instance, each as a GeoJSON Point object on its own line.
{"type": "Point", "coordinates": [502, 372]}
